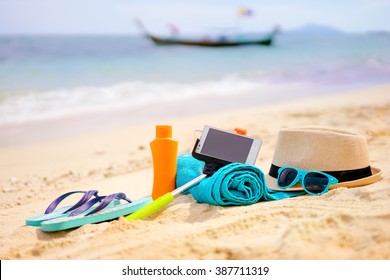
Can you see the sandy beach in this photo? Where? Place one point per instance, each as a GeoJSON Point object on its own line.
{"type": "Point", "coordinates": [342, 224]}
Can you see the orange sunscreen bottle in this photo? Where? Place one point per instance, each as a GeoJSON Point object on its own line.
{"type": "Point", "coordinates": [164, 154]}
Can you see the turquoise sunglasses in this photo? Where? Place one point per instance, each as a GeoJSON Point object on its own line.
{"type": "Point", "coordinates": [313, 182]}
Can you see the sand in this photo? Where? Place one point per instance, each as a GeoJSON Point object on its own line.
{"type": "Point", "coordinates": [342, 224]}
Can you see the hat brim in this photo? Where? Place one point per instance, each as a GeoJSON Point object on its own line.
{"type": "Point", "coordinates": [375, 177]}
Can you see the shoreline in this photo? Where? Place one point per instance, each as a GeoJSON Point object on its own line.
{"type": "Point", "coordinates": [81, 123]}
{"type": "Point", "coordinates": [354, 222]}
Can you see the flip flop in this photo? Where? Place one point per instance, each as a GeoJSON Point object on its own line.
{"type": "Point", "coordinates": [53, 212]}
{"type": "Point", "coordinates": [100, 213]}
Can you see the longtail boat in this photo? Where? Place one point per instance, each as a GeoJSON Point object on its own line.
{"type": "Point", "coordinates": [206, 41]}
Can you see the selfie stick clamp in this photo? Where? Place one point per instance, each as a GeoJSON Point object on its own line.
{"type": "Point", "coordinates": [208, 170]}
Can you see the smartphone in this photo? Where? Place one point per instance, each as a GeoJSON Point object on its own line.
{"type": "Point", "coordinates": [224, 147]}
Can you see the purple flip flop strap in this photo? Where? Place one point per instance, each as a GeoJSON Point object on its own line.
{"type": "Point", "coordinates": [105, 200]}
{"type": "Point", "coordinates": [87, 195]}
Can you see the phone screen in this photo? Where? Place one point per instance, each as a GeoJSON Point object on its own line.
{"type": "Point", "coordinates": [227, 146]}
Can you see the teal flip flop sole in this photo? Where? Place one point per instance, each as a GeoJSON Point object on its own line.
{"type": "Point", "coordinates": [37, 220]}
{"type": "Point", "coordinates": [114, 212]}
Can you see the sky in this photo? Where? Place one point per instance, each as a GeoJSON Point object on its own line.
{"type": "Point", "coordinates": [117, 16]}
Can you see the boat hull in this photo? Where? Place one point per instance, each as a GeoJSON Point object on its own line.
{"type": "Point", "coordinates": [216, 44]}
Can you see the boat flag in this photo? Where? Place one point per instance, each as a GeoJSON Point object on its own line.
{"type": "Point", "coordinates": [245, 12]}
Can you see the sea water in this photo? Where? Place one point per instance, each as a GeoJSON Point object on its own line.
{"type": "Point", "coordinates": [49, 77]}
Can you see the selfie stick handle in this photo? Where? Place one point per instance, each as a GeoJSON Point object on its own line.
{"type": "Point", "coordinates": [160, 202]}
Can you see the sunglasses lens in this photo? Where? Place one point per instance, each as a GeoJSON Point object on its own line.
{"type": "Point", "coordinates": [287, 177]}
{"type": "Point", "coordinates": [316, 182]}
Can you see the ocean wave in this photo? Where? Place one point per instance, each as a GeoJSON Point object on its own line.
{"type": "Point", "coordinates": [31, 106]}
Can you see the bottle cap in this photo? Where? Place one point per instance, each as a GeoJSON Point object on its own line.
{"type": "Point", "coordinates": [240, 131]}
{"type": "Point", "coordinates": [163, 131]}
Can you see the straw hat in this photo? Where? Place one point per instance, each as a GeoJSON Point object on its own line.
{"type": "Point", "coordinates": [341, 154]}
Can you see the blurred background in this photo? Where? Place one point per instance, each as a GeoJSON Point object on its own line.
{"type": "Point", "coordinates": [90, 64]}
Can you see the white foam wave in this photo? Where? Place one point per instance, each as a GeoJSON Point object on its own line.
{"type": "Point", "coordinates": [38, 105]}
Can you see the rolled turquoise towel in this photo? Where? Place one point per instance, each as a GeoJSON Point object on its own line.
{"type": "Point", "coordinates": [233, 184]}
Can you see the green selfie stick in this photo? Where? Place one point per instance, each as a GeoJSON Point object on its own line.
{"type": "Point", "coordinates": [160, 202]}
